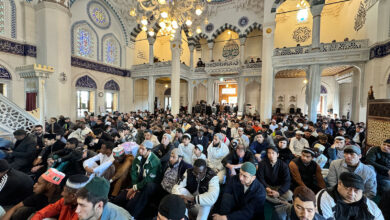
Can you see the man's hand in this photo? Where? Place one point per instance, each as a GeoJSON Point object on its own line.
{"type": "Point", "coordinates": [50, 162]}
{"type": "Point", "coordinates": [88, 170]}
{"type": "Point", "coordinates": [130, 193]}
{"type": "Point", "coordinates": [233, 172]}
{"type": "Point", "coordinates": [36, 168]}
{"type": "Point", "coordinates": [37, 161]}
{"type": "Point", "coordinates": [187, 199]}
{"type": "Point", "coordinates": [219, 217]}
{"type": "Point", "coordinates": [258, 157]}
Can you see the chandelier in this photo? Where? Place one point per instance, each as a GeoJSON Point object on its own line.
{"type": "Point", "coordinates": [303, 11]}
{"type": "Point", "coordinates": [169, 15]}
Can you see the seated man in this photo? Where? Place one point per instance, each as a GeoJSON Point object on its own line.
{"type": "Point", "coordinates": [298, 143]}
{"type": "Point", "coordinates": [145, 176]}
{"type": "Point", "coordinates": [187, 148]}
{"type": "Point", "coordinates": [346, 200]}
{"type": "Point", "coordinates": [215, 154]}
{"type": "Point", "coordinates": [199, 189]}
{"type": "Point", "coordinates": [234, 160]}
{"type": "Point", "coordinates": [243, 197]}
{"type": "Point", "coordinates": [336, 151]}
{"type": "Point", "coordinates": [303, 207]}
{"type": "Point", "coordinates": [122, 165]}
{"type": "Point", "coordinates": [379, 157]}
{"type": "Point", "coordinates": [306, 172]}
{"type": "Point", "coordinates": [105, 158]}
{"type": "Point", "coordinates": [64, 208]}
{"type": "Point", "coordinates": [46, 191]}
{"type": "Point", "coordinates": [173, 172]}
{"type": "Point", "coordinates": [22, 155]}
{"type": "Point", "coordinates": [171, 207]}
{"type": "Point", "coordinates": [163, 150]}
{"type": "Point", "coordinates": [198, 153]}
{"type": "Point", "coordinates": [259, 147]}
{"type": "Point", "coordinates": [15, 185]}
{"type": "Point", "coordinates": [201, 139]}
{"type": "Point", "coordinates": [275, 177]}
{"type": "Point", "coordinates": [149, 136]}
{"type": "Point", "coordinates": [92, 202]}
{"type": "Point", "coordinates": [284, 152]}
{"type": "Point", "coordinates": [351, 163]}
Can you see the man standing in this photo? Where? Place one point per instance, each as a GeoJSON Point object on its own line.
{"type": "Point", "coordinates": [346, 201]}
{"type": "Point", "coordinates": [306, 172]}
{"type": "Point", "coordinates": [351, 163]}
{"type": "Point", "coordinates": [303, 207]}
{"type": "Point", "coordinates": [199, 189]}
{"type": "Point", "coordinates": [379, 157]}
{"type": "Point", "coordinates": [275, 177]}
{"type": "Point", "coordinates": [243, 197]}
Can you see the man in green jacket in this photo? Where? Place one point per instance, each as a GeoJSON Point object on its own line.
{"type": "Point", "coordinates": [145, 177]}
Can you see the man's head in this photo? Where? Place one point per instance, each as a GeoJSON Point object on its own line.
{"type": "Point", "coordinates": [282, 143]}
{"type": "Point", "coordinates": [200, 169]}
{"type": "Point", "coordinates": [72, 143]}
{"type": "Point", "coordinates": [307, 155]}
{"type": "Point", "coordinates": [240, 150]}
{"type": "Point", "coordinates": [92, 198]}
{"type": "Point", "coordinates": [247, 173]}
{"type": "Point", "coordinates": [171, 207]}
{"type": "Point", "coordinates": [176, 156]}
{"type": "Point", "coordinates": [145, 148]}
{"type": "Point", "coordinates": [20, 134]}
{"type": "Point", "coordinates": [352, 155]}
{"type": "Point", "coordinates": [385, 147]}
{"type": "Point", "coordinates": [260, 138]}
{"type": "Point", "coordinates": [166, 139]}
{"type": "Point", "coordinates": [4, 167]}
{"type": "Point", "coordinates": [119, 154]}
{"type": "Point", "coordinates": [186, 139]}
{"type": "Point", "coordinates": [38, 129]}
{"type": "Point", "coordinates": [216, 139]}
{"type": "Point", "coordinates": [107, 148]}
{"type": "Point", "coordinates": [304, 203]}
{"type": "Point", "coordinates": [298, 135]}
{"type": "Point", "coordinates": [73, 184]}
{"type": "Point", "coordinates": [339, 141]}
{"type": "Point", "coordinates": [272, 154]}
{"type": "Point", "coordinates": [240, 131]}
{"type": "Point", "coordinates": [48, 181]}
{"type": "Point", "coordinates": [350, 187]}
{"type": "Point", "coordinates": [49, 139]}
{"type": "Point", "coordinates": [148, 134]}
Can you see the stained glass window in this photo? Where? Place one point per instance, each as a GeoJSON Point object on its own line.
{"type": "Point", "coordinates": [2, 15]}
{"type": "Point", "coordinates": [111, 51]}
{"type": "Point", "coordinates": [84, 43]}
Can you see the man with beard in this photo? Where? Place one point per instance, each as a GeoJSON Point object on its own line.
{"type": "Point", "coordinates": [122, 165]}
{"type": "Point", "coordinates": [38, 133]}
{"type": "Point", "coordinates": [64, 208]}
{"type": "Point", "coordinates": [345, 201]}
{"type": "Point", "coordinates": [163, 150]}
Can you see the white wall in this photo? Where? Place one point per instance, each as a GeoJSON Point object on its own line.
{"type": "Point", "coordinates": [345, 98]}
{"type": "Point", "coordinates": [252, 95]}
{"type": "Point", "coordinates": [141, 94]}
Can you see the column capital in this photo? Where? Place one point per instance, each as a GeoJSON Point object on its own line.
{"type": "Point", "coordinates": [151, 40]}
{"type": "Point", "coordinates": [191, 47]}
{"type": "Point", "coordinates": [35, 71]}
{"type": "Point", "coordinates": [242, 40]}
{"type": "Point", "coordinates": [316, 9]}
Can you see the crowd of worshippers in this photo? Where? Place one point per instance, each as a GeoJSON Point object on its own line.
{"type": "Point", "coordinates": [144, 166]}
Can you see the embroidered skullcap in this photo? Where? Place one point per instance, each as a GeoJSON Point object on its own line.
{"type": "Point", "coordinates": [98, 187]}
{"type": "Point", "coordinates": [53, 176]}
{"type": "Point", "coordinates": [320, 147]}
{"type": "Point", "coordinates": [118, 151]}
{"type": "Point", "coordinates": [77, 181]}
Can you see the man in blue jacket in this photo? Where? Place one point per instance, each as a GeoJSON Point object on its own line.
{"type": "Point", "coordinates": [244, 196]}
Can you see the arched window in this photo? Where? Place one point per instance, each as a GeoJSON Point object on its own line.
{"type": "Point", "coordinates": [5, 80]}
{"type": "Point", "coordinates": [86, 91]}
{"type": "Point", "coordinates": [111, 90]}
{"type": "Point", "coordinates": [111, 50]}
{"type": "Point", "coordinates": [84, 41]}
{"type": "Point", "coordinates": [8, 18]}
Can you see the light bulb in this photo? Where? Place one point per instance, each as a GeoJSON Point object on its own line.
{"type": "Point", "coordinates": [144, 21]}
{"type": "Point", "coordinates": [302, 15]}
{"type": "Point", "coordinates": [174, 24]}
{"type": "Point", "coordinates": [188, 22]}
{"type": "Point", "coordinates": [132, 12]}
{"type": "Point", "coordinates": [305, 81]}
{"type": "Point", "coordinates": [206, 21]}
{"type": "Point", "coordinates": [198, 30]}
{"type": "Point", "coordinates": [144, 28]}
{"type": "Point", "coordinates": [198, 11]}
{"type": "Point", "coordinates": [229, 32]}
{"type": "Point", "coordinates": [151, 32]}
{"type": "Point", "coordinates": [164, 14]}
{"type": "Point", "coordinates": [190, 34]}
{"type": "Point", "coordinates": [173, 31]}
{"type": "Point", "coordinates": [162, 24]}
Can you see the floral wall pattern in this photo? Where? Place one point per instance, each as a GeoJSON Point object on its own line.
{"type": "Point", "coordinates": [301, 34]}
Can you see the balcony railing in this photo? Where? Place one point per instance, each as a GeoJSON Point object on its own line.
{"type": "Point", "coordinates": [291, 50]}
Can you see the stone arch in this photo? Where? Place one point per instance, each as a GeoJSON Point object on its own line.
{"type": "Point", "coordinates": [4, 73]}
{"type": "Point", "coordinates": [85, 82]}
{"type": "Point", "coordinates": [115, 39]}
{"type": "Point", "coordinates": [138, 29]}
{"type": "Point", "coordinates": [112, 85]}
{"type": "Point", "coordinates": [252, 27]}
{"type": "Point", "coordinates": [224, 27]}
{"type": "Point", "coordinates": [80, 24]}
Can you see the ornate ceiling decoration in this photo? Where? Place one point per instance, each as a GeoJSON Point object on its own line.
{"type": "Point", "coordinates": [256, 6]}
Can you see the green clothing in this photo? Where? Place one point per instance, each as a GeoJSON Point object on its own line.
{"type": "Point", "coordinates": [151, 171]}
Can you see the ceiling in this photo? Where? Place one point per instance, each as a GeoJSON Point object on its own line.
{"type": "Point", "coordinates": [298, 73]}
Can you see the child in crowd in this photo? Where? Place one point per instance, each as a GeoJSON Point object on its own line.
{"type": "Point", "coordinates": [198, 153]}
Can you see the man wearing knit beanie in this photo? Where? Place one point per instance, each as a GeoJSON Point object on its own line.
{"type": "Point", "coordinates": [244, 196]}
{"type": "Point", "coordinates": [92, 202]}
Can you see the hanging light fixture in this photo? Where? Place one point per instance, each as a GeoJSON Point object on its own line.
{"type": "Point", "coordinates": [305, 81]}
{"type": "Point", "coordinates": [303, 11]}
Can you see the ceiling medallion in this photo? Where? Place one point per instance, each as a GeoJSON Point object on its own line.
{"type": "Point", "coordinates": [243, 21]}
{"type": "Point", "coordinates": [360, 18]}
{"type": "Point", "coordinates": [209, 28]}
{"type": "Point", "coordinates": [301, 34]}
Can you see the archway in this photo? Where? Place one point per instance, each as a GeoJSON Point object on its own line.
{"type": "Point", "coordinates": [111, 96]}
{"type": "Point", "coordinates": [86, 95]}
{"type": "Point", "coordinates": [5, 81]}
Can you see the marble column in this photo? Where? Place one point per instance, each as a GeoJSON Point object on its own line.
{"type": "Point", "coordinates": [175, 77]}
{"type": "Point", "coordinates": [336, 99]}
{"type": "Point", "coordinates": [316, 32]}
{"type": "Point", "coordinates": [242, 49]}
{"type": "Point", "coordinates": [356, 88]}
{"type": "Point", "coordinates": [54, 49]}
{"type": "Point", "coordinates": [210, 91]}
{"type": "Point", "coordinates": [151, 93]}
{"type": "Point", "coordinates": [241, 94]}
{"type": "Point", "coordinates": [190, 95]}
{"type": "Point", "coordinates": [151, 41]}
{"type": "Point", "coordinates": [313, 91]}
{"type": "Point", "coordinates": [192, 48]}
{"type": "Point", "coordinates": [267, 72]}
{"type": "Point", "coordinates": [210, 44]}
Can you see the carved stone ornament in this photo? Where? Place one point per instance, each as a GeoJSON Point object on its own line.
{"type": "Point", "coordinates": [301, 34]}
{"type": "Point", "coordinates": [360, 18]}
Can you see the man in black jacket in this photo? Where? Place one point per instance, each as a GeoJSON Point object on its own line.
{"type": "Point", "coordinates": [234, 160]}
{"type": "Point", "coordinates": [23, 153]}
{"type": "Point", "coordinates": [201, 139]}
{"type": "Point", "coordinates": [275, 177]}
{"type": "Point", "coordinates": [243, 197]}
{"type": "Point", "coordinates": [164, 149]}
{"type": "Point", "coordinates": [379, 157]}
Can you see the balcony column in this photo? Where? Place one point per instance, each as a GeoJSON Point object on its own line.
{"type": "Point", "coordinates": [316, 12]}
{"type": "Point", "coordinates": [151, 41]}
{"type": "Point", "coordinates": [175, 77]}
{"type": "Point", "coordinates": [192, 48]}
{"type": "Point", "coordinates": [151, 94]}
{"type": "Point", "coordinates": [210, 44]}
{"type": "Point", "coordinates": [267, 72]}
{"type": "Point", "coordinates": [313, 90]}
{"type": "Point", "coordinates": [210, 91]}
{"type": "Point", "coordinates": [336, 99]}
{"type": "Point", "coordinates": [241, 94]}
{"type": "Point", "coordinates": [190, 95]}
{"type": "Point", "coordinates": [242, 49]}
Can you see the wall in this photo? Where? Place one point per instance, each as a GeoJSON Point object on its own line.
{"type": "Point", "coordinates": [254, 44]}
{"type": "Point", "coordinates": [345, 98]}
{"type": "Point", "coordinates": [141, 94]}
{"type": "Point", "coordinates": [162, 47]}
{"type": "Point", "coordinates": [220, 43]}
{"type": "Point", "coordinates": [252, 95]}
{"type": "Point", "coordinates": [141, 49]}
